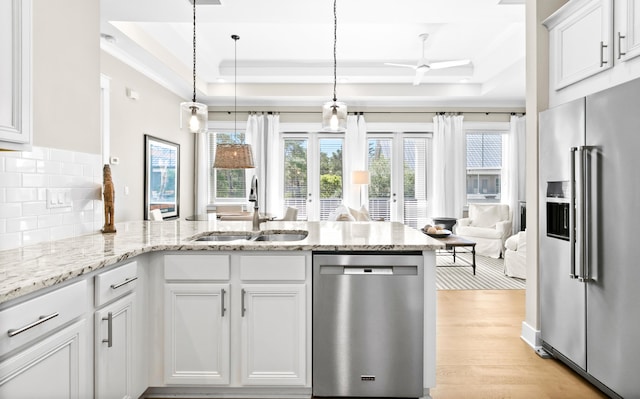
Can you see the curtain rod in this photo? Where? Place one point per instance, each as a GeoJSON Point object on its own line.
{"type": "Point", "coordinates": [381, 112]}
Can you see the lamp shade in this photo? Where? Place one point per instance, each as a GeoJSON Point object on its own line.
{"type": "Point", "coordinates": [360, 177]}
{"type": "Point", "coordinates": [233, 156]}
{"type": "Point", "coordinates": [334, 116]}
{"type": "Point", "coordinates": [193, 117]}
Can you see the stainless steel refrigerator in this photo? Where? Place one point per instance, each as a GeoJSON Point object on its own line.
{"type": "Point", "coordinates": [589, 187]}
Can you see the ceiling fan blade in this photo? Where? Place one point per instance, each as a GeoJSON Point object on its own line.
{"type": "Point", "coordinates": [419, 74]}
{"type": "Point", "coordinates": [448, 64]}
{"type": "Point", "coordinates": [401, 65]}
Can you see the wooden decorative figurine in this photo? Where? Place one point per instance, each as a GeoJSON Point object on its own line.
{"type": "Point", "coordinates": [109, 194]}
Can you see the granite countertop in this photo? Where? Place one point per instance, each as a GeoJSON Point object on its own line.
{"type": "Point", "coordinates": [30, 268]}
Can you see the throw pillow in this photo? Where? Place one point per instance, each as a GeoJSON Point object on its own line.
{"type": "Point", "coordinates": [486, 216]}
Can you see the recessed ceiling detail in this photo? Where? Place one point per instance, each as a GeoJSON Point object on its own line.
{"type": "Point", "coordinates": [288, 51]}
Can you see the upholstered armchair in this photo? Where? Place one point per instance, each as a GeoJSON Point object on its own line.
{"type": "Point", "coordinates": [515, 256]}
{"type": "Point", "coordinates": [489, 225]}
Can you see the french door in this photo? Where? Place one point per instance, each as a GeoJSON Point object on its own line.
{"type": "Point", "coordinates": [313, 174]}
{"type": "Point", "coordinates": [398, 166]}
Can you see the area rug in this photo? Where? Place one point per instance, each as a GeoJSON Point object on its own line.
{"type": "Point", "coordinates": [459, 276]}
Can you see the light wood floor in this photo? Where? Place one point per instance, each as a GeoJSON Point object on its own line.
{"type": "Point", "coordinates": [480, 353]}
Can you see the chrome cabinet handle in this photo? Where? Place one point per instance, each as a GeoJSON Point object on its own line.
{"type": "Point", "coordinates": [125, 282]}
{"type": "Point", "coordinates": [109, 320]}
{"type": "Point", "coordinates": [15, 331]}
{"type": "Point", "coordinates": [222, 293]}
{"type": "Point", "coordinates": [602, 61]}
{"type": "Point", "coordinates": [620, 37]}
{"type": "Point", "coordinates": [242, 308]}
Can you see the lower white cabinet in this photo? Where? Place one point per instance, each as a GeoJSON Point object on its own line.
{"type": "Point", "coordinates": [273, 334]}
{"type": "Point", "coordinates": [196, 333]}
{"type": "Point", "coordinates": [114, 349]}
{"type": "Point", "coordinates": [52, 368]}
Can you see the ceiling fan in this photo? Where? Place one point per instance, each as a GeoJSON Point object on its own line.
{"type": "Point", "coordinates": [423, 65]}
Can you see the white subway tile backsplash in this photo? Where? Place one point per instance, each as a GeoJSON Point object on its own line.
{"type": "Point", "coordinates": [35, 236]}
{"type": "Point", "coordinates": [36, 153]}
{"type": "Point", "coordinates": [10, 240]}
{"type": "Point", "coordinates": [35, 180]}
{"type": "Point", "coordinates": [22, 224]}
{"type": "Point", "coordinates": [8, 210]}
{"type": "Point", "coordinates": [73, 169]}
{"type": "Point", "coordinates": [10, 179]}
{"type": "Point", "coordinates": [45, 221]}
{"type": "Point", "coordinates": [49, 167]}
{"type": "Point", "coordinates": [35, 208]}
{"type": "Point", "coordinates": [20, 165]}
{"type": "Point", "coordinates": [14, 194]}
{"type": "Point", "coordinates": [25, 178]}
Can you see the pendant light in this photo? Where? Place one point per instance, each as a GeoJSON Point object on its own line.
{"type": "Point", "coordinates": [334, 113]}
{"type": "Point", "coordinates": [193, 115]}
{"type": "Point", "coordinates": [234, 156]}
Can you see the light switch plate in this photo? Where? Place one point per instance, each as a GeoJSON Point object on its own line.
{"type": "Point", "coordinates": [58, 197]}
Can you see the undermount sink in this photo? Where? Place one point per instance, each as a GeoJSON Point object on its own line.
{"type": "Point", "coordinates": [295, 235]}
{"type": "Point", "coordinates": [288, 236]}
{"type": "Point", "coordinates": [224, 237]}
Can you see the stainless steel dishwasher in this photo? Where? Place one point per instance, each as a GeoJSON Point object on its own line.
{"type": "Point", "coordinates": [368, 325]}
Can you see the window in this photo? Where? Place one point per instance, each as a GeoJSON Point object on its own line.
{"type": "Point", "coordinates": [313, 174]}
{"type": "Point", "coordinates": [398, 168]}
{"type": "Point", "coordinates": [484, 166]}
{"type": "Point", "coordinates": [226, 185]}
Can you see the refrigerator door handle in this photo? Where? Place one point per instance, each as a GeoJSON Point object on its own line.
{"type": "Point", "coordinates": [588, 206]}
{"type": "Point", "coordinates": [572, 214]}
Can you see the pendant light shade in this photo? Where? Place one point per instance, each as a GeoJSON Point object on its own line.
{"type": "Point", "coordinates": [234, 156]}
{"type": "Point", "coordinates": [334, 113]}
{"type": "Point", "coordinates": [193, 115]}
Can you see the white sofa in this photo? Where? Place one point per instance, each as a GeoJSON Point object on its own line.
{"type": "Point", "coordinates": [488, 225]}
{"type": "Point", "coordinates": [515, 256]}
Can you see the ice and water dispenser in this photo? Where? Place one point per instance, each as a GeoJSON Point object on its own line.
{"type": "Point", "coordinates": [558, 208]}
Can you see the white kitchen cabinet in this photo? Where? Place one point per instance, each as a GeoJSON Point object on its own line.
{"type": "Point", "coordinates": [273, 334]}
{"type": "Point", "coordinates": [593, 45]}
{"type": "Point", "coordinates": [114, 349]}
{"type": "Point", "coordinates": [581, 41]}
{"type": "Point", "coordinates": [15, 74]}
{"type": "Point", "coordinates": [196, 334]}
{"type": "Point", "coordinates": [627, 29]}
{"type": "Point", "coordinates": [118, 348]}
{"type": "Point", "coordinates": [51, 368]}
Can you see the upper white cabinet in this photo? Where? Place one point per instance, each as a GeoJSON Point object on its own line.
{"type": "Point", "coordinates": [627, 29]}
{"type": "Point", "coordinates": [580, 35]}
{"type": "Point", "coordinates": [588, 37]}
{"type": "Point", "coordinates": [15, 74]}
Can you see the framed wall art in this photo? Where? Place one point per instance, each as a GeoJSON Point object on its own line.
{"type": "Point", "coordinates": [161, 178]}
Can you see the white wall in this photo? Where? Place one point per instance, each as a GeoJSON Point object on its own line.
{"type": "Point", "coordinates": [537, 100]}
{"type": "Point", "coordinates": [155, 112]}
{"type": "Point", "coordinates": [66, 75]}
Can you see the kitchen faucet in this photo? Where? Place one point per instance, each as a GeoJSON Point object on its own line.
{"type": "Point", "coordinates": [253, 197]}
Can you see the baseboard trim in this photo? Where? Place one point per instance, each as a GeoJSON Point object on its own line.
{"type": "Point", "coordinates": [530, 335]}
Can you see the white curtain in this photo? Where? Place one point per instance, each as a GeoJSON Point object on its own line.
{"type": "Point", "coordinates": [449, 166]}
{"type": "Point", "coordinates": [202, 174]}
{"type": "Point", "coordinates": [272, 185]}
{"type": "Point", "coordinates": [513, 168]}
{"type": "Point", "coordinates": [254, 136]}
{"type": "Point", "coordinates": [356, 159]}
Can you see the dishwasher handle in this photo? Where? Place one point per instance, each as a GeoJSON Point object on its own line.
{"type": "Point", "coordinates": [368, 270]}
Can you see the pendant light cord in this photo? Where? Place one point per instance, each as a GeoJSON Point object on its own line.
{"type": "Point", "coordinates": [335, 40]}
{"type": "Point", "coordinates": [194, 51]}
{"type": "Point", "coordinates": [235, 84]}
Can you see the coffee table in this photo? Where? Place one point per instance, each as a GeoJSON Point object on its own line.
{"type": "Point", "coordinates": [452, 242]}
